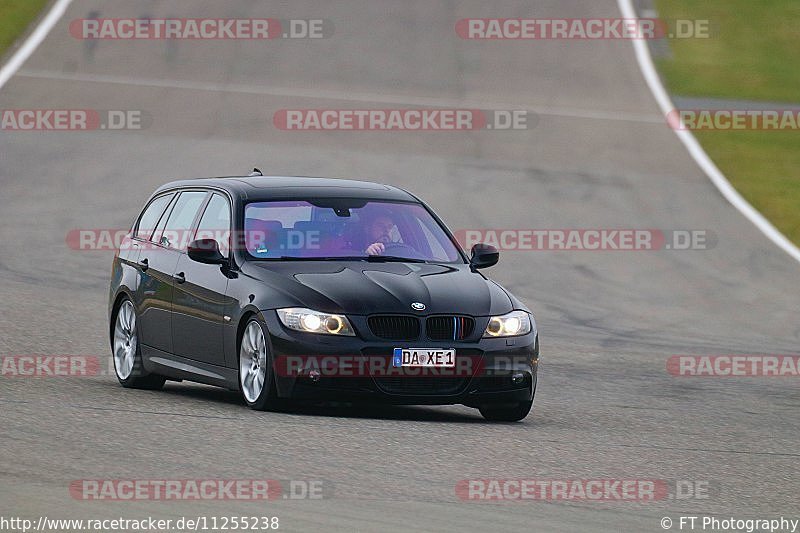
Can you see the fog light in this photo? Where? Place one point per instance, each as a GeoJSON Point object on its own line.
{"type": "Point", "coordinates": [517, 378]}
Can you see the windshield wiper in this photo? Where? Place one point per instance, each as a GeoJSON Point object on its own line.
{"type": "Point", "coordinates": [324, 258]}
{"type": "Point", "coordinates": [392, 259]}
{"type": "Point", "coordinates": [369, 258]}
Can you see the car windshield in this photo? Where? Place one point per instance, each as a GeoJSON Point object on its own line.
{"type": "Point", "coordinates": [341, 229]}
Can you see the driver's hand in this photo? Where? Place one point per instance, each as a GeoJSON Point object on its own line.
{"type": "Point", "coordinates": [375, 249]}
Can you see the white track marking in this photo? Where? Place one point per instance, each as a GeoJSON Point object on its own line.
{"type": "Point", "coordinates": [695, 150]}
{"type": "Point", "coordinates": [33, 41]}
{"type": "Point", "coordinates": [349, 96]}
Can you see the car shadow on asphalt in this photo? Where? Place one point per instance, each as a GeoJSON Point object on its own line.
{"type": "Point", "coordinates": [332, 409]}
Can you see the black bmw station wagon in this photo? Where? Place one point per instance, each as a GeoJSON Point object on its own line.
{"type": "Point", "coordinates": [289, 288]}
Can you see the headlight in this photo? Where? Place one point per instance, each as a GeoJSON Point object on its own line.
{"type": "Point", "coordinates": [301, 319]}
{"type": "Point", "coordinates": [509, 325]}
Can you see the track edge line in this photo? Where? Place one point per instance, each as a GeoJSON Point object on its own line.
{"type": "Point", "coordinates": [33, 41]}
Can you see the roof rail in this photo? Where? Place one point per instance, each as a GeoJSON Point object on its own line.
{"type": "Point", "coordinates": [255, 172]}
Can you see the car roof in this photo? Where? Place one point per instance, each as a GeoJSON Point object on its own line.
{"type": "Point", "coordinates": [286, 187]}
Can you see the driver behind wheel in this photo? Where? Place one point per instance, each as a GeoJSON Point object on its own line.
{"type": "Point", "coordinates": [379, 232]}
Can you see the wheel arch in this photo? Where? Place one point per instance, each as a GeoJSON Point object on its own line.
{"type": "Point", "coordinates": [282, 385]}
{"type": "Point", "coordinates": [247, 314]}
{"type": "Point", "coordinates": [122, 294]}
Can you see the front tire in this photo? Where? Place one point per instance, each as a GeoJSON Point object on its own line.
{"type": "Point", "coordinates": [127, 353]}
{"type": "Point", "coordinates": [506, 413]}
{"type": "Point", "coordinates": [256, 379]}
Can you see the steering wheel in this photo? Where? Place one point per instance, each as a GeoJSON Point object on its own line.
{"type": "Point", "coordinates": [399, 246]}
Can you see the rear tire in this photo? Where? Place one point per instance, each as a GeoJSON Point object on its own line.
{"type": "Point", "coordinates": [126, 351]}
{"type": "Point", "coordinates": [506, 413]}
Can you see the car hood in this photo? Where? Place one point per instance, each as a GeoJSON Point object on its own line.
{"type": "Point", "coordinates": [363, 288]}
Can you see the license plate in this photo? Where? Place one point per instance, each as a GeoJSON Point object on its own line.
{"type": "Point", "coordinates": [424, 357]}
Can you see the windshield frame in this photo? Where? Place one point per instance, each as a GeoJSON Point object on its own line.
{"type": "Point", "coordinates": [247, 256]}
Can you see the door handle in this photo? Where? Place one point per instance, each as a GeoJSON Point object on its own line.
{"type": "Point", "coordinates": [180, 277]}
{"type": "Point", "coordinates": [143, 263]}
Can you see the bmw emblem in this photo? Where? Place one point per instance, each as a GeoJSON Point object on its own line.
{"type": "Point", "coordinates": [418, 306]}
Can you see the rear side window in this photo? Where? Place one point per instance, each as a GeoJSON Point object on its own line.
{"type": "Point", "coordinates": [176, 231]}
{"type": "Point", "coordinates": [152, 213]}
{"type": "Point", "coordinates": [156, 237]}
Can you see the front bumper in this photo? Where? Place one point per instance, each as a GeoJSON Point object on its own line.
{"type": "Point", "coordinates": [488, 371]}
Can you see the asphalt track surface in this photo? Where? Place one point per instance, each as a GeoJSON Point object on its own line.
{"type": "Point", "coordinates": [599, 156]}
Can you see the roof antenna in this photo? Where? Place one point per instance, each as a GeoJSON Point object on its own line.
{"type": "Point", "coordinates": [255, 172]}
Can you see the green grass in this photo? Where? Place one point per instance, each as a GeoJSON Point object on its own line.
{"type": "Point", "coordinates": [752, 56]}
{"type": "Point", "coordinates": [15, 16]}
{"type": "Point", "coordinates": [764, 166]}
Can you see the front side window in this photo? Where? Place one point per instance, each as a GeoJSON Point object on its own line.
{"type": "Point", "coordinates": [344, 228]}
{"type": "Point", "coordinates": [216, 223]}
{"type": "Point", "coordinates": [176, 230]}
{"type": "Point", "coordinates": [151, 215]}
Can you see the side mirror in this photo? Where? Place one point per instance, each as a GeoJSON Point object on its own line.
{"type": "Point", "coordinates": [205, 251]}
{"type": "Point", "coordinates": [483, 256]}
